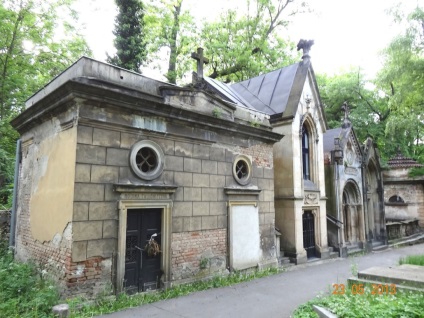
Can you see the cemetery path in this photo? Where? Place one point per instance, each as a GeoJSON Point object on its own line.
{"type": "Point", "coordinates": [273, 296]}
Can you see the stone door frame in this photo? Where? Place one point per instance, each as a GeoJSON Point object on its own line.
{"type": "Point", "coordinates": [143, 198]}
{"type": "Point", "coordinates": [353, 202]}
{"type": "Point", "coordinates": [165, 207]}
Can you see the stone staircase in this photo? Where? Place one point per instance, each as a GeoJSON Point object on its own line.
{"type": "Point", "coordinates": [333, 253]}
{"type": "Point", "coordinates": [409, 240]}
{"type": "Point", "coordinates": [379, 246]}
{"type": "Point", "coordinates": [353, 249]}
{"type": "Point", "coordinates": [405, 277]}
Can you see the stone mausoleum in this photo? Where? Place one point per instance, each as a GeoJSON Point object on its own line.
{"type": "Point", "coordinates": [354, 186]}
{"type": "Point", "coordinates": [128, 184]}
{"type": "Point", "coordinates": [132, 183]}
{"type": "Point", "coordinates": [403, 197]}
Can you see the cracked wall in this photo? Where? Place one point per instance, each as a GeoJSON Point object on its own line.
{"type": "Point", "coordinates": [45, 201]}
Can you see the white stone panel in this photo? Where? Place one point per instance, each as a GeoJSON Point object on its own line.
{"type": "Point", "coordinates": [244, 236]}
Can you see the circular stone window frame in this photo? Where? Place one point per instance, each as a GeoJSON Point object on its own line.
{"type": "Point", "coordinates": [248, 162]}
{"type": "Point", "coordinates": [157, 171]}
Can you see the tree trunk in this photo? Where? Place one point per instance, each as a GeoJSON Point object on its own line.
{"type": "Point", "coordinates": [172, 66]}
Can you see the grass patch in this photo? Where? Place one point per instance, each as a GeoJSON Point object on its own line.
{"type": "Point", "coordinates": [103, 305]}
{"type": "Point", "coordinates": [23, 292]}
{"type": "Point", "coordinates": [412, 260]}
{"type": "Point", "coordinates": [402, 304]}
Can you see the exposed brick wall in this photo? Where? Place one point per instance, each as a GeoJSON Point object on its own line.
{"type": "Point", "coordinates": [189, 248]}
{"type": "Point", "coordinates": [89, 277]}
{"type": "Point", "coordinates": [262, 155]}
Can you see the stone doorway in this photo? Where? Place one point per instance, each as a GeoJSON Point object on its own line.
{"type": "Point", "coordinates": [309, 234]}
{"type": "Point", "coordinates": [142, 264]}
{"type": "Point", "coordinates": [352, 210]}
{"type": "Point", "coordinates": [151, 205]}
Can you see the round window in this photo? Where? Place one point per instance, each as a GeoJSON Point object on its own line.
{"type": "Point", "coordinates": [242, 169]}
{"type": "Point", "coordinates": [146, 159]}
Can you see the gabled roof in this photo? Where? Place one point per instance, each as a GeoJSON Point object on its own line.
{"type": "Point", "coordinates": [273, 93]}
{"type": "Point", "coordinates": [269, 92]}
{"type": "Point", "coordinates": [329, 137]}
{"type": "Point", "coordinates": [344, 133]}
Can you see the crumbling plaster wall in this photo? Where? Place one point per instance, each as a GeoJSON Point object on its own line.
{"type": "Point", "coordinates": [397, 182]}
{"type": "Point", "coordinates": [45, 202]}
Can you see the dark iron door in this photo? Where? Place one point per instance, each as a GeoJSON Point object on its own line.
{"type": "Point", "coordinates": [142, 271]}
{"type": "Point", "coordinates": [309, 233]}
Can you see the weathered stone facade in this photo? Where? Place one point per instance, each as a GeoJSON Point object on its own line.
{"type": "Point", "coordinates": [403, 195]}
{"type": "Point", "coordinates": [78, 185]}
{"type": "Point", "coordinates": [354, 189]}
{"type": "Point", "coordinates": [290, 97]}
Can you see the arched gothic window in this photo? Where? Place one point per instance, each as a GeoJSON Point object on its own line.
{"type": "Point", "coordinates": [305, 154]}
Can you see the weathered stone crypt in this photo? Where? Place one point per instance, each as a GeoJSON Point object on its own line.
{"type": "Point", "coordinates": [146, 184]}
{"type": "Point", "coordinates": [112, 160]}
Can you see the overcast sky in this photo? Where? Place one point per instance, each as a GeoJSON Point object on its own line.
{"type": "Point", "coordinates": [346, 32]}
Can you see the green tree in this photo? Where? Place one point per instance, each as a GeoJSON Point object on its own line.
{"type": "Point", "coordinates": [402, 80]}
{"type": "Point", "coordinates": [238, 45]}
{"type": "Point", "coordinates": [172, 32]}
{"type": "Point", "coordinates": [32, 52]}
{"type": "Point", "coordinates": [369, 111]}
{"type": "Point", "coordinates": [244, 45]}
{"type": "Point", "coordinates": [129, 35]}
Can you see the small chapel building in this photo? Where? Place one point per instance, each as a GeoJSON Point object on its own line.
{"type": "Point", "coordinates": [290, 97]}
{"type": "Point", "coordinates": [354, 188]}
{"type": "Point", "coordinates": [136, 184]}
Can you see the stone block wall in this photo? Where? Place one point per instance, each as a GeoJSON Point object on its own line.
{"type": "Point", "coordinates": [201, 170]}
{"type": "Point", "coordinates": [413, 196]}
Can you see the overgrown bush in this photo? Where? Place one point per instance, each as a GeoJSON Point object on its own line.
{"type": "Point", "coordinates": [401, 304]}
{"type": "Point", "coordinates": [23, 292]}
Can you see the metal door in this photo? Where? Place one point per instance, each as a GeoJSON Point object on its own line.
{"type": "Point", "coordinates": [142, 271]}
{"type": "Point", "coordinates": [309, 233]}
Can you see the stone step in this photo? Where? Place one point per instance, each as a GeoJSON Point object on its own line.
{"type": "Point", "coordinates": [404, 275]}
{"type": "Point", "coordinates": [399, 287]}
{"type": "Point", "coordinates": [410, 240]}
{"type": "Point", "coordinates": [283, 260]}
{"type": "Point", "coordinates": [380, 247]}
{"type": "Point", "coordinates": [334, 255]}
{"type": "Point", "coordinates": [354, 251]}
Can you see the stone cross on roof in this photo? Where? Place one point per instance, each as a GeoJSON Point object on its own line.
{"type": "Point", "coordinates": [200, 61]}
{"type": "Point", "coordinates": [305, 45]}
{"type": "Point", "coordinates": [346, 121]}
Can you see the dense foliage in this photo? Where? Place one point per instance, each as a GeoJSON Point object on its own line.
{"type": "Point", "coordinates": [31, 54]}
{"type": "Point", "coordinates": [240, 44]}
{"type": "Point", "coordinates": [129, 35]}
{"type": "Point", "coordinates": [23, 292]}
{"type": "Point", "coordinates": [402, 304]}
{"type": "Point", "coordinates": [172, 37]}
{"type": "Point", "coordinates": [390, 107]}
